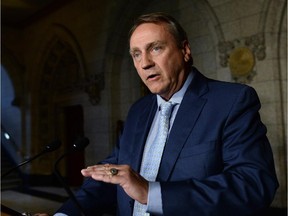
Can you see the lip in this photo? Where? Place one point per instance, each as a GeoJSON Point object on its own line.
{"type": "Point", "coordinates": [152, 77]}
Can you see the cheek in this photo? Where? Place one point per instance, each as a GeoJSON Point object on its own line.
{"type": "Point", "coordinates": [140, 74]}
{"type": "Point", "coordinates": [169, 69]}
{"type": "Point", "coordinates": [170, 62]}
{"type": "Point", "coordinates": [137, 67]}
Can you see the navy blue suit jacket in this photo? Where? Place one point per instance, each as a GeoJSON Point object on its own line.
{"type": "Point", "coordinates": [217, 161]}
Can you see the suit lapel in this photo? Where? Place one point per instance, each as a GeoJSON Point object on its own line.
{"type": "Point", "coordinates": [189, 110]}
{"type": "Point", "coordinates": [141, 132]}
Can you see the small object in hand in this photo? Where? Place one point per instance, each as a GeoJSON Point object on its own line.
{"type": "Point", "coordinates": [113, 171]}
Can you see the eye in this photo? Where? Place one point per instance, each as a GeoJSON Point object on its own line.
{"type": "Point", "coordinates": [136, 56]}
{"type": "Point", "coordinates": [156, 49]}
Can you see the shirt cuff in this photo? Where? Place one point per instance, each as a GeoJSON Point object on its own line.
{"type": "Point", "coordinates": [59, 214]}
{"type": "Point", "coordinates": [154, 203]}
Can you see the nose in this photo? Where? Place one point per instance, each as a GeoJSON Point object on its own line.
{"type": "Point", "coordinates": [147, 61]}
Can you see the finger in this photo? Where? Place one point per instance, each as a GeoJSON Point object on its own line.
{"type": "Point", "coordinates": [107, 173]}
{"type": "Point", "coordinates": [87, 172]}
{"type": "Point", "coordinates": [95, 170]}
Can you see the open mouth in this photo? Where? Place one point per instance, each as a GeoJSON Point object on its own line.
{"type": "Point", "coordinates": [152, 76]}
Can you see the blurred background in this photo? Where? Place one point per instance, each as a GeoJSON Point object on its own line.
{"type": "Point", "coordinates": [66, 72]}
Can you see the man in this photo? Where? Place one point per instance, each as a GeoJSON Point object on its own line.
{"type": "Point", "coordinates": [216, 160]}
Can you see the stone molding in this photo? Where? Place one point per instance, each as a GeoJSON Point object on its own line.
{"type": "Point", "coordinates": [249, 50]}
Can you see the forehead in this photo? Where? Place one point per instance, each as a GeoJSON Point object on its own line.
{"type": "Point", "coordinates": [148, 33]}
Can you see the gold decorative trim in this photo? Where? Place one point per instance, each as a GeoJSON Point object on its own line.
{"type": "Point", "coordinates": [241, 56]}
{"type": "Point", "coordinates": [241, 62]}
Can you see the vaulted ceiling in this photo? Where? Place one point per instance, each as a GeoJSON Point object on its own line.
{"type": "Point", "coordinates": [21, 12]}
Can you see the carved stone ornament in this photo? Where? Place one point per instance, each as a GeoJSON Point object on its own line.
{"type": "Point", "coordinates": [241, 56]}
{"type": "Point", "coordinates": [62, 75]}
{"type": "Point", "coordinates": [241, 64]}
{"type": "Point", "coordinates": [93, 86]}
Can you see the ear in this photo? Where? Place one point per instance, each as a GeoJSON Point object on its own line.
{"type": "Point", "coordinates": [186, 51]}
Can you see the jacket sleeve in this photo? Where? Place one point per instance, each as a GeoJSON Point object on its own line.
{"type": "Point", "coordinates": [247, 183]}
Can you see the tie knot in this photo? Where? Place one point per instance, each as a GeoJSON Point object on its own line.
{"type": "Point", "coordinates": [166, 108]}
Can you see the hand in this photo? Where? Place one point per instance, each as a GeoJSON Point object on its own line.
{"type": "Point", "coordinates": [133, 184]}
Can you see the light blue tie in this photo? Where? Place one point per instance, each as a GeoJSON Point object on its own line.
{"type": "Point", "coordinates": [153, 153]}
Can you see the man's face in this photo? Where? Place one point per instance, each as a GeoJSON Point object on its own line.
{"type": "Point", "coordinates": [160, 63]}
